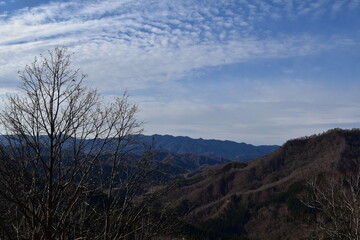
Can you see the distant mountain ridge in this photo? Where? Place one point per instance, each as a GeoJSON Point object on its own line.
{"type": "Point", "coordinates": [225, 149]}
{"type": "Point", "coordinates": [186, 154]}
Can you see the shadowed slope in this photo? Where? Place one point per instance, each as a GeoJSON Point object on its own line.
{"type": "Point", "coordinates": [236, 184]}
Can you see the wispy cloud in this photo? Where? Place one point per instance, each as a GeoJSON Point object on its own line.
{"type": "Point", "coordinates": [137, 44]}
{"type": "Point", "coordinates": [146, 41]}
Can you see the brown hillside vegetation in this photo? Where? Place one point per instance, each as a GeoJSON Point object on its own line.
{"type": "Point", "coordinates": [264, 186]}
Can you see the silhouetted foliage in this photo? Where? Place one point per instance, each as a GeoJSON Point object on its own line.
{"type": "Point", "coordinates": [335, 198]}
{"type": "Point", "coordinates": [71, 166]}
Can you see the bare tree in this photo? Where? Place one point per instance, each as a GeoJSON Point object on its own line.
{"type": "Point", "coordinates": [68, 167]}
{"type": "Point", "coordinates": [336, 200]}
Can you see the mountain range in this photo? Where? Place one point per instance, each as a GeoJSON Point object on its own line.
{"type": "Point", "coordinates": [184, 153]}
{"type": "Point", "coordinates": [236, 191]}
{"type": "Point", "coordinates": [257, 199]}
{"type": "Point", "coordinates": [225, 149]}
{"type": "Point", "coordinates": [189, 156]}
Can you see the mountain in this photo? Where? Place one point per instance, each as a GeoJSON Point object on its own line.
{"type": "Point", "coordinates": [189, 162]}
{"type": "Point", "coordinates": [257, 199]}
{"type": "Point", "coordinates": [226, 149]}
{"type": "Point", "coordinates": [183, 153]}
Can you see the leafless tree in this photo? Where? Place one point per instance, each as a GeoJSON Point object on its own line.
{"type": "Point", "coordinates": [336, 200]}
{"type": "Point", "coordinates": [68, 168]}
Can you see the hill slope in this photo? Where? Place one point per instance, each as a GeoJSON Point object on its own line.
{"type": "Point", "coordinates": [190, 162]}
{"type": "Point", "coordinates": [260, 189]}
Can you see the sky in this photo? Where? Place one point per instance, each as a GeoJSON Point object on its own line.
{"type": "Point", "coordinates": [254, 71]}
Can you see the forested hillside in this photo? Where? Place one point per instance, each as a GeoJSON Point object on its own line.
{"type": "Point", "coordinates": [262, 199]}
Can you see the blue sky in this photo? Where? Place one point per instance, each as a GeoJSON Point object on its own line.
{"type": "Point", "coordinates": [258, 71]}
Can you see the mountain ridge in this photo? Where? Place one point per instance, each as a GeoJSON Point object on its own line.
{"type": "Point", "coordinates": [220, 148]}
{"type": "Point", "coordinates": [259, 186]}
